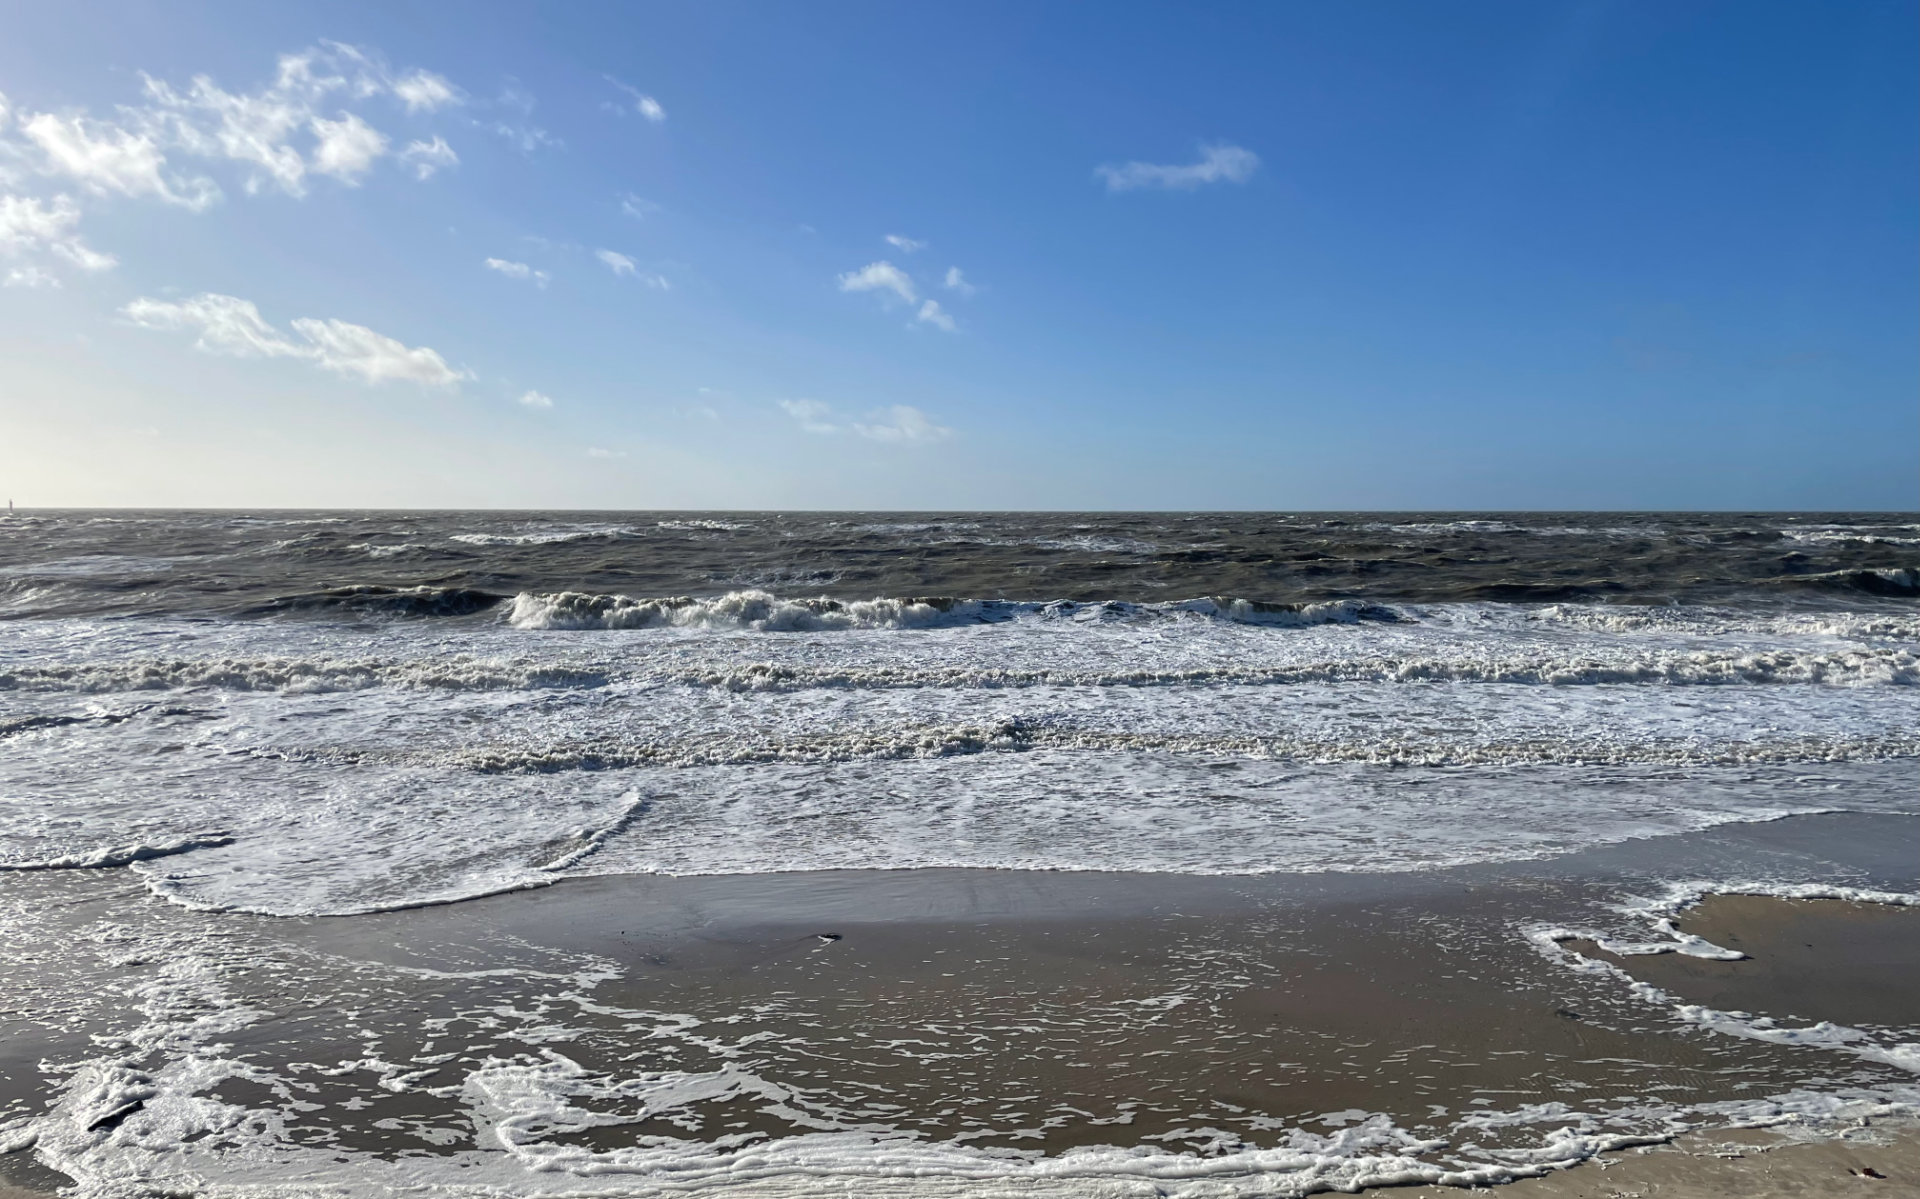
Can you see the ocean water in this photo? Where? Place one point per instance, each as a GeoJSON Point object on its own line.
{"type": "Point", "coordinates": [339, 713]}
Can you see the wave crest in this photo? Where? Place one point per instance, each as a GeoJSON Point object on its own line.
{"type": "Point", "coordinates": [763, 612]}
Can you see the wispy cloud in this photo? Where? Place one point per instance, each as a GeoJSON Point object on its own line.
{"type": "Point", "coordinates": [620, 264]}
{"type": "Point", "coordinates": [814, 417]}
{"type": "Point", "coordinates": [347, 147]}
{"type": "Point", "coordinates": [537, 399]}
{"type": "Point", "coordinates": [104, 159]}
{"type": "Point", "coordinates": [955, 281]}
{"type": "Point", "coordinates": [890, 281]}
{"type": "Point", "coordinates": [29, 226]}
{"type": "Point", "coordinates": [901, 423]}
{"type": "Point", "coordinates": [279, 132]}
{"type": "Point", "coordinates": [423, 91]}
{"type": "Point", "coordinates": [232, 326]}
{"type": "Point", "coordinates": [1218, 163]}
{"type": "Point", "coordinates": [30, 276]}
{"type": "Point", "coordinates": [639, 101]}
{"type": "Point", "coordinates": [517, 270]}
{"type": "Point", "coordinates": [637, 207]}
{"type": "Point", "coordinates": [599, 452]}
{"type": "Point", "coordinates": [880, 276]}
{"type": "Point", "coordinates": [427, 157]}
{"type": "Point", "coordinates": [523, 133]}
{"type": "Point", "coordinates": [931, 313]}
{"type": "Point", "coordinates": [898, 423]}
{"type": "Point", "coordinates": [906, 245]}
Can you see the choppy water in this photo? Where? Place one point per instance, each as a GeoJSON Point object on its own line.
{"type": "Point", "coordinates": [330, 713]}
{"type": "Point", "coordinates": [337, 712]}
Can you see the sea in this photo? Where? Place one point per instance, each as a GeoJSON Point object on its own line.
{"type": "Point", "coordinates": [213, 721]}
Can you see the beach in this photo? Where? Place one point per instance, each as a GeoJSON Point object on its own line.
{"type": "Point", "coordinates": [467, 879]}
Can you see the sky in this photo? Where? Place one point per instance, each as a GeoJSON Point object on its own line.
{"type": "Point", "coordinates": [1479, 255]}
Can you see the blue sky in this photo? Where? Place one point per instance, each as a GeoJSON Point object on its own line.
{"type": "Point", "coordinates": [1475, 255]}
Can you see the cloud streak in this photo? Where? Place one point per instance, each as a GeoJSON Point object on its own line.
{"type": "Point", "coordinates": [897, 423]}
{"type": "Point", "coordinates": [233, 327]}
{"type": "Point", "coordinates": [617, 262]}
{"type": "Point", "coordinates": [517, 270]}
{"type": "Point", "coordinates": [1219, 163]}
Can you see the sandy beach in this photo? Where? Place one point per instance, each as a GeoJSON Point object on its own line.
{"type": "Point", "coordinates": [1059, 1012]}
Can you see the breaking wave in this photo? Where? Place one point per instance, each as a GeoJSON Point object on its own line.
{"type": "Point", "coordinates": [123, 855]}
{"type": "Point", "coordinates": [1892, 583]}
{"type": "Point", "coordinates": [763, 612]}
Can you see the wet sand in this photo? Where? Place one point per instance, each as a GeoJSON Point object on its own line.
{"type": "Point", "coordinates": [1051, 1011]}
{"type": "Point", "coordinates": [1734, 1165]}
{"type": "Point", "coordinates": [1853, 963]}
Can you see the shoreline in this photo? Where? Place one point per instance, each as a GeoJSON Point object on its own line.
{"type": "Point", "coordinates": [1034, 1011]}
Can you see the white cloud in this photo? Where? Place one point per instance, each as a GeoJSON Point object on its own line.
{"type": "Point", "coordinates": [106, 158]}
{"type": "Point", "coordinates": [232, 326]}
{"type": "Point", "coordinates": [955, 281]}
{"type": "Point", "coordinates": [423, 91]}
{"type": "Point", "coordinates": [814, 416]}
{"type": "Point", "coordinates": [517, 270]}
{"type": "Point", "coordinates": [224, 324]}
{"type": "Point", "coordinates": [597, 452]}
{"type": "Point", "coordinates": [211, 122]}
{"type": "Point", "coordinates": [901, 423]}
{"type": "Point", "coordinates": [427, 157]}
{"type": "Point", "coordinates": [616, 262]}
{"type": "Point", "coordinates": [259, 128]}
{"type": "Point", "coordinates": [637, 207]}
{"type": "Point", "coordinates": [1217, 163]}
{"type": "Point", "coordinates": [880, 276]}
{"type": "Point", "coordinates": [932, 314]}
{"type": "Point", "coordinates": [30, 276]}
{"type": "Point", "coordinates": [537, 399]}
{"type": "Point", "coordinates": [76, 252]}
{"type": "Point", "coordinates": [643, 104]}
{"type": "Point", "coordinates": [28, 225]}
{"type": "Point", "coordinates": [620, 264]}
{"type": "Point", "coordinates": [356, 350]}
{"type": "Point", "coordinates": [527, 137]}
{"type": "Point", "coordinates": [347, 147]}
{"type": "Point", "coordinates": [906, 245]}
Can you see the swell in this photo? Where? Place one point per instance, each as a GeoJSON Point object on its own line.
{"type": "Point", "coordinates": [1893, 583]}
{"type": "Point", "coordinates": [378, 600]}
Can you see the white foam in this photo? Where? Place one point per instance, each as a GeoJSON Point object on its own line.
{"type": "Point", "coordinates": [472, 756]}
{"type": "Point", "coordinates": [1885, 1048]}
{"type": "Point", "coordinates": [545, 535]}
{"type": "Point", "coordinates": [755, 610]}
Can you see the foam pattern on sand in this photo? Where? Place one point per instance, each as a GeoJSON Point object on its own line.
{"type": "Point", "coordinates": [1899, 1048]}
{"type": "Point", "coordinates": [505, 1096]}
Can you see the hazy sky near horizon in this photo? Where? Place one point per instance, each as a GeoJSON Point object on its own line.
{"type": "Point", "coordinates": [724, 255]}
